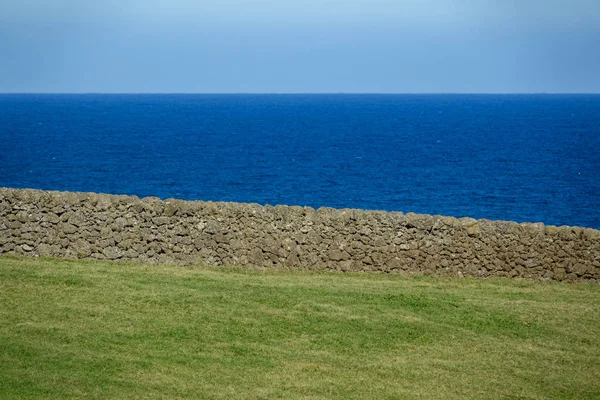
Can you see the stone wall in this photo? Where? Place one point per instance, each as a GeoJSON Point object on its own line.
{"type": "Point", "coordinates": [98, 226]}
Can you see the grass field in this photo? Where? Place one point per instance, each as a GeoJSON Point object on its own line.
{"type": "Point", "coordinates": [82, 329]}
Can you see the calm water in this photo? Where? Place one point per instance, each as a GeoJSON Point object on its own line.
{"type": "Point", "coordinates": [515, 157]}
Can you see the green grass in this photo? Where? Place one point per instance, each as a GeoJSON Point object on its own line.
{"type": "Point", "coordinates": [81, 329]}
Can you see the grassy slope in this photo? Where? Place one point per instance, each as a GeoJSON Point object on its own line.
{"type": "Point", "coordinates": [72, 329]}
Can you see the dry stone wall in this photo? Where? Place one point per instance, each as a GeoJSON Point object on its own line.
{"type": "Point", "coordinates": [99, 226]}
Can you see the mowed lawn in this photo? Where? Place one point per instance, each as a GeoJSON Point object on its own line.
{"type": "Point", "coordinates": [83, 329]}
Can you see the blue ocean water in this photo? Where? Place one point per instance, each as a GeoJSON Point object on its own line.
{"type": "Point", "coordinates": [510, 157]}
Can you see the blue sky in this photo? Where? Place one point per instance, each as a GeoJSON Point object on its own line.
{"type": "Point", "coordinates": [356, 46]}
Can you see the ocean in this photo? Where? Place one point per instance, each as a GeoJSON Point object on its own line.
{"type": "Point", "coordinates": [532, 158]}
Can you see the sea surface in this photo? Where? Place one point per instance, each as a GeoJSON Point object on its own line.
{"type": "Point", "coordinates": [510, 157]}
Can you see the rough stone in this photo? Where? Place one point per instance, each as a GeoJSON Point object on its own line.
{"type": "Point", "coordinates": [68, 228]}
{"type": "Point", "coordinates": [112, 253]}
{"type": "Point", "coordinates": [83, 225]}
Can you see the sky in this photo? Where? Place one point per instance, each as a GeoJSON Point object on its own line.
{"type": "Point", "coordinates": [300, 46]}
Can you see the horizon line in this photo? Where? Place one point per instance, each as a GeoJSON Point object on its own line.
{"type": "Point", "coordinates": [302, 93]}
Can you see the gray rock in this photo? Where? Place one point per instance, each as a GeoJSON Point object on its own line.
{"type": "Point", "coordinates": [67, 228]}
{"type": "Point", "coordinates": [112, 253]}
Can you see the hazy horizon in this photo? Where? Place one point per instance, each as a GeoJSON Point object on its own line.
{"type": "Point", "coordinates": [316, 93]}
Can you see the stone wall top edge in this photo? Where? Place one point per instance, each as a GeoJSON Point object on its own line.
{"type": "Point", "coordinates": [463, 221]}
